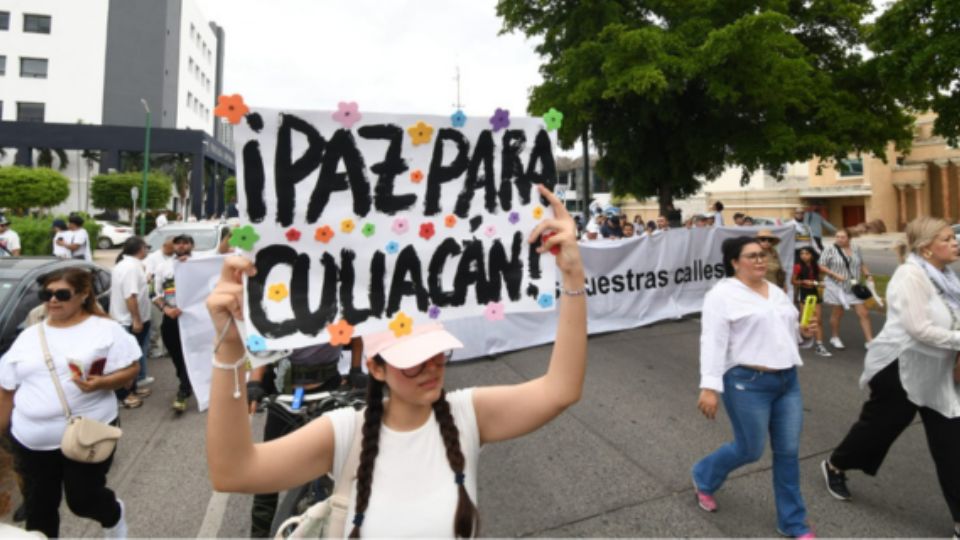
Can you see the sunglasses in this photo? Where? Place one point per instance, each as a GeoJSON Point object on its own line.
{"type": "Point", "coordinates": [755, 257]}
{"type": "Point", "coordinates": [439, 360]}
{"type": "Point", "coordinates": [60, 294]}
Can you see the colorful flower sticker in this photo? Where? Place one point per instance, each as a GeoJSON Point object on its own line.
{"type": "Point", "coordinates": [401, 325]}
{"type": "Point", "coordinates": [416, 176]}
{"type": "Point", "coordinates": [493, 311]}
{"type": "Point", "coordinates": [323, 234]}
{"type": "Point", "coordinates": [553, 119]}
{"type": "Point", "coordinates": [277, 292]}
{"type": "Point", "coordinates": [348, 114]}
{"type": "Point", "coordinates": [514, 218]}
{"type": "Point", "coordinates": [426, 230]}
{"type": "Point", "coordinates": [256, 344]}
{"type": "Point", "coordinates": [368, 230]}
{"type": "Point", "coordinates": [537, 212]}
{"type": "Point", "coordinates": [292, 235]}
{"type": "Point", "coordinates": [244, 237]}
{"type": "Point", "coordinates": [500, 119]}
{"type": "Point", "coordinates": [545, 300]}
{"type": "Point", "coordinates": [421, 133]}
{"type": "Point", "coordinates": [340, 333]}
{"type": "Point", "coordinates": [458, 119]}
{"type": "Point", "coordinates": [434, 312]}
{"type": "Point", "coordinates": [347, 226]}
{"type": "Point", "coordinates": [490, 231]}
{"type": "Point", "coordinates": [392, 248]}
{"type": "Point", "coordinates": [450, 220]}
{"type": "Point", "coordinates": [400, 226]}
{"type": "Point", "coordinates": [232, 108]}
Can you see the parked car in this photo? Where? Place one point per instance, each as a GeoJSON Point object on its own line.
{"type": "Point", "coordinates": [206, 235]}
{"type": "Point", "coordinates": [113, 234]}
{"type": "Point", "coordinates": [19, 288]}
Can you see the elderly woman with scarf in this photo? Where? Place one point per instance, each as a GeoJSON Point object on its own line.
{"type": "Point", "coordinates": [912, 366]}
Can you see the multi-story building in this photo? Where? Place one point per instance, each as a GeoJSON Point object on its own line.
{"type": "Point", "coordinates": [82, 76]}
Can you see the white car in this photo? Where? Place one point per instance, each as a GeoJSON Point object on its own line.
{"type": "Point", "coordinates": [206, 235]}
{"type": "Point", "coordinates": [113, 234]}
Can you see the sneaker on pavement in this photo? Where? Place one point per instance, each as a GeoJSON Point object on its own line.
{"type": "Point", "coordinates": [706, 502]}
{"type": "Point", "coordinates": [806, 343]}
{"type": "Point", "coordinates": [836, 343]}
{"type": "Point", "coordinates": [808, 534]}
{"type": "Point", "coordinates": [821, 350]}
{"type": "Point", "coordinates": [131, 402]}
{"type": "Point", "coordinates": [142, 392]}
{"type": "Point", "coordinates": [146, 381]}
{"type": "Point", "coordinates": [836, 482]}
{"type": "Point", "coordinates": [120, 529]}
{"type": "Point", "coordinates": [180, 403]}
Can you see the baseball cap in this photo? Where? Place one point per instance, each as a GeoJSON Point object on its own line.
{"type": "Point", "coordinates": [422, 343]}
{"type": "Point", "coordinates": [4, 220]}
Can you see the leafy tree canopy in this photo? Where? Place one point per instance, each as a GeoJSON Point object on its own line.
{"type": "Point", "coordinates": [672, 91]}
{"type": "Point", "coordinates": [230, 188]}
{"type": "Point", "coordinates": [112, 191]}
{"type": "Point", "coordinates": [917, 46]}
{"type": "Point", "coordinates": [23, 188]}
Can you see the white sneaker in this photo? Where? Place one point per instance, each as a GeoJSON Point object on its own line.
{"type": "Point", "coordinates": [822, 351]}
{"type": "Point", "coordinates": [146, 381]}
{"type": "Point", "coordinates": [806, 343]}
{"type": "Point", "coordinates": [836, 343]}
{"type": "Point", "coordinates": [120, 529]}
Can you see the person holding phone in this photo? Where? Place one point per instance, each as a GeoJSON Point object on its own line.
{"type": "Point", "coordinates": [76, 330]}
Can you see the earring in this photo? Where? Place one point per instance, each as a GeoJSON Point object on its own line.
{"type": "Point", "coordinates": [927, 254]}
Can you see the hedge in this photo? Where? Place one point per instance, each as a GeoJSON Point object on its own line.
{"type": "Point", "coordinates": [230, 189]}
{"type": "Point", "coordinates": [23, 188]}
{"type": "Point", "coordinates": [113, 190]}
{"type": "Point", "coordinates": [36, 233]}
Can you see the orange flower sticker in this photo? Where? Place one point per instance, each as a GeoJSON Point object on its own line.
{"type": "Point", "coordinates": [401, 325]}
{"type": "Point", "coordinates": [421, 133]}
{"type": "Point", "coordinates": [537, 212]}
{"type": "Point", "coordinates": [232, 108]}
{"type": "Point", "coordinates": [323, 234]}
{"type": "Point", "coordinates": [347, 226]}
{"type": "Point", "coordinates": [277, 292]}
{"type": "Point", "coordinates": [450, 220]}
{"type": "Point", "coordinates": [416, 176]}
{"type": "Point", "coordinates": [340, 333]}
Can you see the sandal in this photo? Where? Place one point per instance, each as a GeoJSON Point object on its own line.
{"type": "Point", "coordinates": [142, 392]}
{"type": "Point", "coordinates": [131, 402]}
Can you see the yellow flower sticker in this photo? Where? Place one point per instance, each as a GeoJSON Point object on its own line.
{"type": "Point", "coordinates": [537, 212]}
{"type": "Point", "coordinates": [347, 226]}
{"type": "Point", "coordinates": [401, 325]}
{"type": "Point", "coordinates": [421, 133]}
{"type": "Point", "coordinates": [277, 292]}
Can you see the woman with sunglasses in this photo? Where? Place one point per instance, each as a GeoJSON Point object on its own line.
{"type": "Point", "coordinates": [749, 354]}
{"type": "Point", "coordinates": [417, 473]}
{"type": "Point", "coordinates": [92, 356]}
{"type": "Point", "coordinates": [775, 272]}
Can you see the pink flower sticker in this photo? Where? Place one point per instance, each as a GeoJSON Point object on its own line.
{"type": "Point", "coordinates": [493, 311]}
{"type": "Point", "coordinates": [490, 231]}
{"type": "Point", "coordinates": [348, 114]}
{"type": "Point", "coordinates": [400, 226]}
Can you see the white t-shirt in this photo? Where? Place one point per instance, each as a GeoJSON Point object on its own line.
{"type": "Point", "coordinates": [413, 493]}
{"type": "Point", "coordinates": [38, 421]}
{"type": "Point", "coordinates": [61, 251]}
{"type": "Point", "coordinates": [128, 279]}
{"type": "Point", "coordinates": [80, 237]}
{"type": "Point", "coordinates": [9, 242]}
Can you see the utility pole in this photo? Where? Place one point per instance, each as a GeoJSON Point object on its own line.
{"type": "Point", "coordinates": [585, 138]}
{"type": "Point", "coordinates": [146, 171]}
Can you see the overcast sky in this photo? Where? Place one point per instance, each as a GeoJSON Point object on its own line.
{"type": "Point", "coordinates": [388, 55]}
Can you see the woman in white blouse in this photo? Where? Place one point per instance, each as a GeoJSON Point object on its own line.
{"type": "Point", "coordinates": [749, 354]}
{"type": "Point", "coordinates": [912, 366]}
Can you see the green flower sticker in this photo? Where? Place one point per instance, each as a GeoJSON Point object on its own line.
{"type": "Point", "coordinates": [553, 119]}
{"type": "Point", "coordinates": [368, 230]}
{"type": "Point", "coordinates": [244, 237]}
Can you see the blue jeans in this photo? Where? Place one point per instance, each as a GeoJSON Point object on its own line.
{"type": "Point", "coordinates": [758, 402]}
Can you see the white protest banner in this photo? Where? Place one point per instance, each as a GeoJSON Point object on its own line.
{"type": "Point", "coordinates": [195, 279]}
{"type": "Point", "coordinates": [362, 222]}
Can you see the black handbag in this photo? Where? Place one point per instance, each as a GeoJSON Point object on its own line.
{"type": "Point", "coordinates": [858, 289]}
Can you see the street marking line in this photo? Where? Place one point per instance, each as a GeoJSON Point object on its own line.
{"type": "Point", "coordinates": [213, 518]}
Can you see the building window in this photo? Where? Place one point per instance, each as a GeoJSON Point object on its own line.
{"type": "Point", "coordinates": [193, 30]}
{"type": "Point", "coordinates": [29, 112]}
{"type": "Point", "coordinates": [4, 20]}
{"type": "Point", "coordinates": [189, 99]}
{"type": "Point", "coordinates": [3, 65]}
{"type": "Point", "coordinates": [35, 68]}
{"type": "Point", "coordinates": [851, 167]}
{"type": "Point", "coordinates": [37, 24]}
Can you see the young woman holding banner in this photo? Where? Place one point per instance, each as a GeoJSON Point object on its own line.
{"type": "Point", "coordinates": [418, 465]}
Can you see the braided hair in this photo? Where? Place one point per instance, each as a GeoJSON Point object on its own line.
{"type": "Point", "coordinates": [465, 519]}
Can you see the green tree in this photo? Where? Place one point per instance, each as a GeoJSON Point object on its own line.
{"type": "Point", "coordinates": [23, 188]}
{"type": "Point", "coordinates": [917, 47]}
{"type": "Point", "coordinates": [112, 191]}
{"type": "Point", "coordinates": [674, 91]}
{"type": "Point", "coordinates": [230, 189]}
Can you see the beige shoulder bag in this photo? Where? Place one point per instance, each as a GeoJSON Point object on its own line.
{"type": "Point", "coordinates": [85, 440]}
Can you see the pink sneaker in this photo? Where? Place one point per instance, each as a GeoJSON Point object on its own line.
{"type": "Point", "coordinates": [807, 535]}
{"type": "Point", "coordinates": [706, 502]}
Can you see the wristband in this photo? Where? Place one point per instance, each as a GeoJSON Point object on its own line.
{"type": "Point", "coordinates": [235, 367]}
{"type": "Point", "coordinates": [576, 292]}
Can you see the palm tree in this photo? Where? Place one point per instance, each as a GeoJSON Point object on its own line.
{"type": "Point", "coordinates": [45, 158]}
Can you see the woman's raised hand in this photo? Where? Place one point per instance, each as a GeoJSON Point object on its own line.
{"type": "Point", "coordinates": [225, 302]}
{"type": "Point", "coordinates": [559, 235]}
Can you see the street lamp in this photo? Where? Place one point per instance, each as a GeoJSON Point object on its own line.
{"type": "Point", "coordinates": [146, 171]}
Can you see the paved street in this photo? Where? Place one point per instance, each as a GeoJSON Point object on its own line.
{"type": "Point", "coordinates": [616, 464]}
